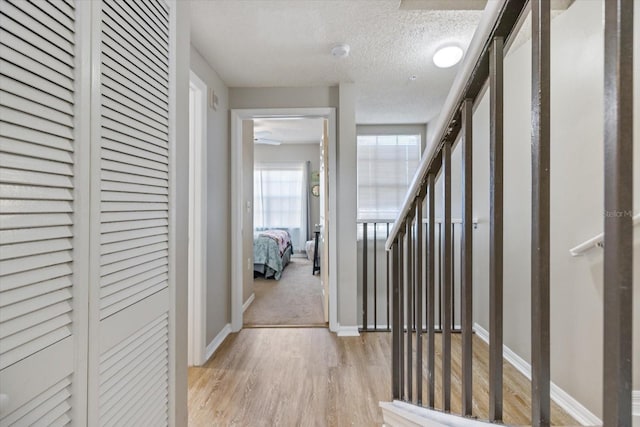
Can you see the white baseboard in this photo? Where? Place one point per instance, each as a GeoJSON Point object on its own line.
{"type": "Point", "coordinates": [219, 339]}
{"type": "Point", "coordinates": [248, 302]}
{"type": "Point", "coordinates": [403, 414]}
{"type": "Point", "coordinates": [348, 331]}
{"type": "Point", "coordinates": [574, 408]}
{"type": "Point", "coordinates": [635, 403]}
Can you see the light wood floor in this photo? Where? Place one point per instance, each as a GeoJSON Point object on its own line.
{"type": "Point", "coordinates": [310, 377]}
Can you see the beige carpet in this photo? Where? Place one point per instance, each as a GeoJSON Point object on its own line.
{"type": "Point", "coordinates": [295, 299]}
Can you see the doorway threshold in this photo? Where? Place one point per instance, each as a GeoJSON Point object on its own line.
{"type": "Point", "coordinates": [300, 326]}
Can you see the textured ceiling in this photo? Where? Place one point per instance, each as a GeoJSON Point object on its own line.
{"type": "Point", "coordinates": [289, 131]}
{"type": "Point", "coordinates": [273, 43]}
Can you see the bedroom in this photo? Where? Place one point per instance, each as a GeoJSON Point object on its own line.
{"type": "Point", "coordinates": [287, 289]}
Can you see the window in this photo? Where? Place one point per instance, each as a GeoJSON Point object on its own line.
{"type": "Point", "coordinates": [279, 199]}
{"type": "Point", "coordinates": [386, 165]}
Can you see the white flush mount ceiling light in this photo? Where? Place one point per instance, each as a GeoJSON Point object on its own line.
{"type": "Point", "coordinates": [340, 50]}
{"type": "Point", "coordinates": [447, 56]}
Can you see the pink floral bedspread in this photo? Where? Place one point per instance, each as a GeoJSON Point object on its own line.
{"type": "Point", "coordinates": [281, 237]}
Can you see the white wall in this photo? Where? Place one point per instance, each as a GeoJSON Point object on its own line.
{"type": "Point", "coordinates": [283, 97]}
{"type": "Point", "coordinates": [342, 98]}
{"type": "Point", "coordinates": [218, 262]}
{"type": "Point", "coordinates": [294, 153]}
{"type": "Point", "coordinates": [576, 202]}
{"type": "Point", "coordinates": [347, 208]}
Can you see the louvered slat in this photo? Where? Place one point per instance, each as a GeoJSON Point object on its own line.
{"type": "Point", "coordinates": [30, 121]}
{"type": "Point", "coordinates": [150, 405]}
{"type": "Point", "coordinates": [137, 24]}
{"type": "Point", "coordinates": [19, 324]}
{"type": "Point", "coordinates": [37, 139]}
{"type": "Point", "coordinates": [18, 48]}
{"type": "Point", "coordinates": [119, 52]}
{"type": "Point", "coordinates": [106, 260]}
{"type": "Point", "coordinates": [134, 376]}
{"type": "Point", "coordinates": [133, 261]}
{"type": "Point", "coordinates": [23, 26]}
{"type": "Point", "coordinates": [133, 243]}
{"type": "Point", "coordinates": [33, 220]}
{"type": "Point", "coordinates": [28, 76]}
{"type": "Point", "coordinates": [111, 227]}
{"type": "Point", "coordinates": [127, 159]}
{"type": "Point", "coordinates": [115, 355]}
{"type": "Point", "coordinates": [125, 177]}
{"type": "Point", "coordinates": [28, 106]}
{"type": "Point", "coordinates": [120, 276]}
{"type": "Point", "coordinates": [31, 291]}
{"type": "Point", "coordinates": [55, 12]}
{"type": "Point", "coordinates": [120, 77]}
{"type": "Point", "coordinates": [113, 90]}
{"type": "Point", "coordinates": [163, 9]}
{"type": "Point", "coordinates": [133, 108]}
{"type": "Point", "coordinates": [23, 192]}
{"type": "Point", "coordinates": [108, 217]}
{"type": "Point", "coordinates": [34, 234]}
{"type": "Point", "coordinates": [17, 133]}
{"type": "Point", "coordinates": [133, 188]}
{"type": "Point", "coordinates": [14, 281]}
{"type": "Point", "coordinates": [134, 214]}
{"type": "Point", "coordinates": [134, 151]}
{"type": "Point", "coordinates": [65, 6]}
{"type": "Point", "coordinates": [40, 411]}
{"type": "Point", "coordinates": [155, 30]}
{"type": "Point", "coordinates": [151, 275]}
{"type": "Point", "coordinates": [25, 13]}
{"type": "Point", "coordinates": [36, 183]}
{"type": "Point", "coordinates": [18, 250]}
{"type": "Point", "coordinates": [110, 135]}
{"type": "Point", "coordinates": [33, 178]}
{"type": "Point", "coordinates": [49, 16]}
{"type": "Point", "coordinates": [13, 146]}
{"type": "Point", "coordinates": [121, 29]}
{"type": "Point", "coordinates": [138, 354]}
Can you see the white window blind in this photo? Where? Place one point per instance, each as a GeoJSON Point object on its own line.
{"type": "Point", "coordinates": [279, 199]}
{"type": "Point", "coordinates": [386, 165]}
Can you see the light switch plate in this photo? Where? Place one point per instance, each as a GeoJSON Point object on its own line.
{"type": "Point", "coordinates": [213, 99]}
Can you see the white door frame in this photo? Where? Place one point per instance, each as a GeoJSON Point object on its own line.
{"type": "Point", "coordinates": [237, 116]}
{"type": "Point", "coordinates": [197, 220]}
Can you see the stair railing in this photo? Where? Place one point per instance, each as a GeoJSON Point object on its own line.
{"type": "Point", "coordinates": [407, 237]}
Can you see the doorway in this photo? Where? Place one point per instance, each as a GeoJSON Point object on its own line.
{"type": "Point", "coordinates": [196, 330]}
{"type": "Point", "coordinates": [242, 132]}
{"type": "Point", "coordinates": [286, 290]}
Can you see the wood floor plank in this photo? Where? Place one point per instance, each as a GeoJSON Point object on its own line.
{"type": "Point", "coordinates": [311, 377]}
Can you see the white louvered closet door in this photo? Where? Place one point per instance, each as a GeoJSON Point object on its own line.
{"type": "Point", "coordinates": [43, 298]}
{"type": "Point", "coordinates": [129, 335]}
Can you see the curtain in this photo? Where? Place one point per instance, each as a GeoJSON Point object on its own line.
{"type": "Point", "coordinates": [280, 201]}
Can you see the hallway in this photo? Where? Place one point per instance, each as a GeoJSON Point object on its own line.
{"type": "Point", "coordinates": [300, 377]}
{"type": "Point", "coordinates": [292, 377]}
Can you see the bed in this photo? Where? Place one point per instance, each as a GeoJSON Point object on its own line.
{"type": "Point", "coordinates": [272, 251]}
